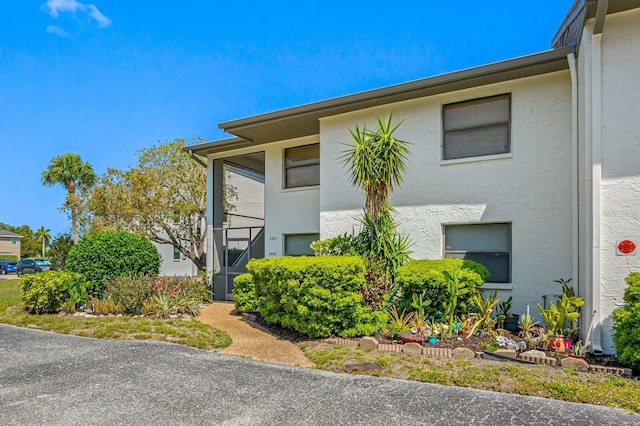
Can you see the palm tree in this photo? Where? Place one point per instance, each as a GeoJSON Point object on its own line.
{"type": "Point", "coordinates": [43, 236]}
{"type": "Point", "coordinates": [376, 162]}
{"type": "Point", "coordinates": [71, 173]}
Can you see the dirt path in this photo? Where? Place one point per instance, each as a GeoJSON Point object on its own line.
{"type": "Point", "coordinates": [250, 342]}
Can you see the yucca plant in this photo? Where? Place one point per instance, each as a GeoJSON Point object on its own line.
{"type": "Point", "coordinates": [527, 325]}
{"type": "Point", "coordinates": [484, 312]}
{"type": "Point", "coordinates": [376, 160]}
{"type": "Point", "coordinates": [399, 322]}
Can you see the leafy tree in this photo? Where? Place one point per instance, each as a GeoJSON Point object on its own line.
{"type": "Point", "coordinates": [376, 162]}
{"type": "Point", "coordinates": [29, 247]}
{"type": "Point", "coordinates": [43, 236]}
{"type": "Point", "coordinates": [163, 198]}
{"type": "Point", "coordinates": [70, 172]}
{"type": "Point", "coordinates": [59, 250]}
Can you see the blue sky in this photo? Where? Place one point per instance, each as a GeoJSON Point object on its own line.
{"type": "Point", "coordinates": [107, 78]}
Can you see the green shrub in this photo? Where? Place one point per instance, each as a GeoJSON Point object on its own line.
{"type": "Point", "coordinates": [316, 296]}
{"type": "Point", "coordinates": [129, 293]}
{"type": "Point", "coordinates": [154, 296]}
{"type": "Point", "coordinates": [244, 293]}
{"type": "Point", "coordinates": [103, 256]}
{"type": "Point", "coordinates": [8, 258]}
{"type": "Point", "coordinates": [48, 292]}
{"type": "Point", "coordinates": [426, 275]}
{"type": "Point", "coordinates": [626, 324]}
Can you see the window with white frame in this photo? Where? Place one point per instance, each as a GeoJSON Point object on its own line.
{"type": "Point", "coordinates": [486, 243]}
{"type": "Point", "coordinates": [176, 253]}
{"type": "Point", "coordinates": [299, 244]}
{"type": "Point", "coordinates": [302, 166]}
{"type": "Point", "coordinates": [476, 128]}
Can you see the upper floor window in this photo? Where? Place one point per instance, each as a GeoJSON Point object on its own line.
{"type": "Point", "coordinates": [302, 166]}
{"type": "Point", "coordinates": [486, 243]}
{"type": "Point", "coordinates": [176, 253]}
{"type": "Point", "coordinates": [476, 128]}
{"type": "Point", "coordinates": [14, 241]}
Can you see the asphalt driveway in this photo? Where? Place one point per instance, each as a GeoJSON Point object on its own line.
{"type": "Point", "coordinates": [47, 378]}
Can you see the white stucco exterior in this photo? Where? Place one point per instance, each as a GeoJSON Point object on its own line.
{"type": "Point", "coordinates": [609, 132]}
{"type": "Point", "coordinates": [569, 186]}
{"type": "Point", "coordinates": [525, 188]}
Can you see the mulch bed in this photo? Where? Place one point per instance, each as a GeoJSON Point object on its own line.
{"type": "Point", "coordinates": [475, 343]}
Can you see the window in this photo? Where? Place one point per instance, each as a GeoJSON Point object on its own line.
{"type": "Point", "coordinates": [14, 241]}
{"type": "Point", "coordinates": [176, 253]}
{"type": "Point", "coordinates": [299, 244]}
{"type": "Point", "coordinates": [476, 128]}
{"type": "Point", "coordinates": [487, 244]}
{"type": "Point", "coordinates": [302, 166]}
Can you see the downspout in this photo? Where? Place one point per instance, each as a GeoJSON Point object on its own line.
{"type": "Point", "coordinates": [197, 160]}
{"type": "Point", "coordinates": [596, 167]}
{"type": "Point", "coordinates": [575, 219]}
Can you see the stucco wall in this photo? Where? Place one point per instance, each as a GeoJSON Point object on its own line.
{"type": "Point", "coordinates": [287, 211]}
{"type": "Point", "coordinates": [530, 187]}
{"type": "Point", "coordinates": [620, 191]}
{"type": "Point", "coordinates": [170, 267]}
{"type": "Point", "coordinates": [7, 246]}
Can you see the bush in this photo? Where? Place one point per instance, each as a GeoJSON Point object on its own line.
{"type": "Point", "coordinates": [173, 296]}
{"type": "Point", "coordinates": [8, 258]}
{"type": "Point", "coordinates": [129, 293]}
{"type": "Point", "coordinates": [154, 296]}
{"type": "Point", "coordinates": [104, 256]}
{"type": "Point", "coordinates": [626, 324]}
{"type": "Point", "coordinates": [316, 296]}
{"type": "Point", "coordinates": [244, 293]}
{"type": "Point", "coordinates": [48, 292]}
{"type": "Point", "coordinates": [426, 275]}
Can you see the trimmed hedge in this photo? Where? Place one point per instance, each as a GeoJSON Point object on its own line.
{"type": "Point", "coordinates": [104, 256]}
{"type": "Point", "coordinates": [8, 258]}
{"type": "Point", "coordinates": [48, 292]}
{"type": "Point", "coordinates": [426, 275]}
{"type": "Point", "coordinates": [315, 296]}
{"type": "Point", "coordinates": [244, 293]}
{"type": "Point", "coordinates": [626, 324]}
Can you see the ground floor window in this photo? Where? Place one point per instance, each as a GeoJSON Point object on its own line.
{"type": "Point", "coordinates": [299, 244]}
{"type": "Point", "coordinates": [176, 253]}
{"type": "Point", "coordinates": [486, 243]}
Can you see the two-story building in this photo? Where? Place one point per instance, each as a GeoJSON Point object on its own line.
{"type": "Point", "coordinates": [530, 166]}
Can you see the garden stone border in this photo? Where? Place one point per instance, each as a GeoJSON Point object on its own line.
{"type": "Point", "coordinates": [504, 354]}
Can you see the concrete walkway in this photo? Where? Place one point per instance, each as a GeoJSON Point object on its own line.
{"type": "Point", "coordinates": [250, 342]}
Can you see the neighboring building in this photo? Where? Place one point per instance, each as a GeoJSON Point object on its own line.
{"type": "Point", "coordinates": [530, 166]}
{"type": "Point", "coordinates": [10, 243]}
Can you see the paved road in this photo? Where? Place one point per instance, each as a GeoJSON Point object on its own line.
{"type": "Point", "coordinates": [47, 378]}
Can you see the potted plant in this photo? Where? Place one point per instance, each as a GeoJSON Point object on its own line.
{"type": "Point", "coordinates": [434, 331]}
{"type": "Point", "coordinates": [565, 309]}
{"type": "Point", "coordinates": [507, 319]}
{"type": "Point", "coordinates": [578, 350]}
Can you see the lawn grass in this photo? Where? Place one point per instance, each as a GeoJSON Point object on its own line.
{"type": "Point", "coordinates": [185, 332]}
{"type": "Point", "coordinates": [521, 379]}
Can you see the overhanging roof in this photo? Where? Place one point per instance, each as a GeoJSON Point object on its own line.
{"type": "Point", "coordinates": [5, 233]}
{"type": "Point", "coordinates": [570, 30]}
{"type": "Point", "coordinates": [304, 120]}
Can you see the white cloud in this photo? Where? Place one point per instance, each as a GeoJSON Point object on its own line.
{"type": "Point", "coordinates": [54, 29]}
{"type": "Point", "coordinates": [54, 7]}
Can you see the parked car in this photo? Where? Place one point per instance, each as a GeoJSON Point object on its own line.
{"type": "Point", "coordinates": [32, 266]}
{"type": "Point", "coordinates": [7, 267]}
